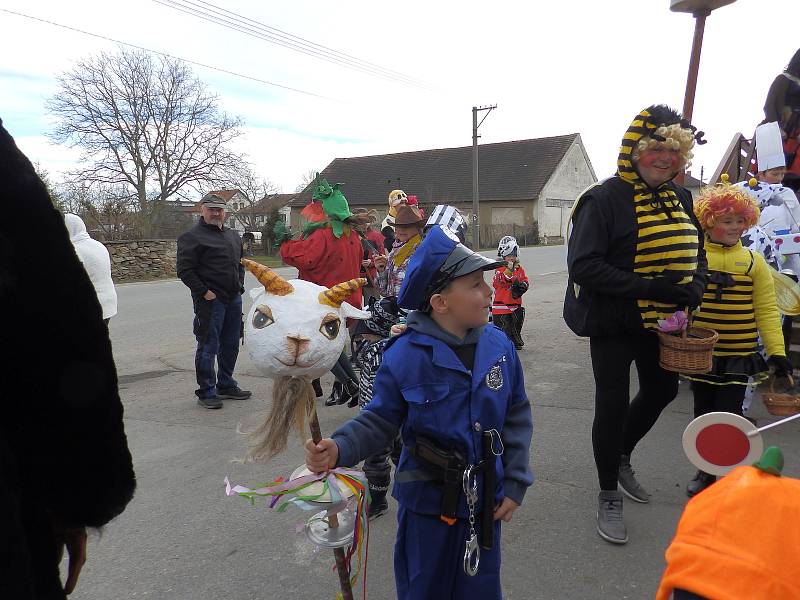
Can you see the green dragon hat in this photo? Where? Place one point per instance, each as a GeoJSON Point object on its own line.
{"type": "Point", "coordinates": [334, 204]}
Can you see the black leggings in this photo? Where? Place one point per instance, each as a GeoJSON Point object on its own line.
{"type": "Point", "coordinates": [717, 398]}
{"type": "Point", "coordinates": [620, 423]}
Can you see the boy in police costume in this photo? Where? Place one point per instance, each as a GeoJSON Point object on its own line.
{"type": "Point", "coordinates": [453, 386]}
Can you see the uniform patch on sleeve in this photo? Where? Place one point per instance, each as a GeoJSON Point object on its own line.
{"type": "Point", "coordinates": [494, 379]}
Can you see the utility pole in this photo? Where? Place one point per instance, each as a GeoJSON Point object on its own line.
{"type": "Point", "coordinates": [476, 225]}
{"type": "Point", "coordinates": [699, 9]}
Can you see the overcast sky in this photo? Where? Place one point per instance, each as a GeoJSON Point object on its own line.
{"type": "Point", "coordinates": [551, 67]}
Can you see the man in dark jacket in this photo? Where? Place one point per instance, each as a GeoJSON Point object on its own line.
{"type": "Point", "coordinates": [635, 256]}
{"type": "Point", "coordinates": [64, 459]}
{"type": "Point", "coordinates": [209, 256]}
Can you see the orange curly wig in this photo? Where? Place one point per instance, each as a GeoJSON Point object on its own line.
{"type": "Point", "coordinates": [725, 199]}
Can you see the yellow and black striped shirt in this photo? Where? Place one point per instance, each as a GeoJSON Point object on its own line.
{"type": "Point", "coordinates": [742, 307]}
{"type": "Point", "coordinates": [667, 239]}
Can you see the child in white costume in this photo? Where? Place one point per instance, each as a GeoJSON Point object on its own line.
{"type": "Point", "coordinates": [780, 209]}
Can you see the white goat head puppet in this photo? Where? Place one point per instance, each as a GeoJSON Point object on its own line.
{"type": "Point", "coordinates": [294, 332]}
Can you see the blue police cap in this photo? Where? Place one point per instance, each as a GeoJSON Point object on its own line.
{"type": "Point", "coordinates": [438, 260]}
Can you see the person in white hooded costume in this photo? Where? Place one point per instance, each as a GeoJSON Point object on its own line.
{"type": "Point", "coordinates": [96, 261]}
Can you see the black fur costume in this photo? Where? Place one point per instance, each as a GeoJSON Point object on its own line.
{"type": "Point", "coordinates": [63, 452]}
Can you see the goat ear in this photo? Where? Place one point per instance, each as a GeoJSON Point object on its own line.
{"type": "Point", "coordinates": [256, 292]}
{"type": "Point", "coordinates": [351, 312]}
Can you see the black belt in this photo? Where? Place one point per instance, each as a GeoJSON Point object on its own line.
{"type": "Point", "coordinates": [448, 467]}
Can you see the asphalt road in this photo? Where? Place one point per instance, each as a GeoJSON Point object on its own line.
{"type": "Point", "coordinates": [182, 538]}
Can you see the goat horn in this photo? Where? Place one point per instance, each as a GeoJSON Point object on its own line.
{"type": "Point", "coordinates": [272, 282]}
{"type": "Point", "coordinates": [336, 295]}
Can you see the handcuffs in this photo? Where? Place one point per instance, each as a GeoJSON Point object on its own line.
{"type": "Point", "coordinates": [472, 551]}
{"type": "Point", "coordinates": [469, 482]}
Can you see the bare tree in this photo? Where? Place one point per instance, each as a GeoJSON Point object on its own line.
{"type": "Point", "coordinates": [73, 196]}
{"type": "Point", "coordinates": [108, 211]}
{"type": "Point", "coordinates": [144, 123]}
{"type": "Point", "coordinates": [52, 190]}
{"type": "Point", "coordinates": [254, 189]}
{"type": "Point", "coordinates": [306, 178]}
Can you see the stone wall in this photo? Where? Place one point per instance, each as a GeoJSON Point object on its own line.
{"type": "Point", "coordinates": [142, 259]}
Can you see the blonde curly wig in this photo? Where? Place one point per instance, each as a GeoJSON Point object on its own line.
{"type": "Point", "coordinates": [677, 138]}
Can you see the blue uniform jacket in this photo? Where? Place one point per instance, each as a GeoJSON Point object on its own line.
{"type": "Point", "coordinates": [423, 388]}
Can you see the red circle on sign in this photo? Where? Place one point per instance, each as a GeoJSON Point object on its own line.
{"type": "Point", "coordinates": [722, 444]}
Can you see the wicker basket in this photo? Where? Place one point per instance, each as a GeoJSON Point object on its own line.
{"type": "Point", "coordinates": [780, 403]}
{"type": "Point", "coordinates": [689, 353]}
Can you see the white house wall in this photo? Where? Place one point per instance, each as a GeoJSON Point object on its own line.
{"type": "Point", "coordinates": [573, 175]}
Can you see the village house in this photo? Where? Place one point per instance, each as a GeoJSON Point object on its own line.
{"type": "Point", "coordinates": [527, 187]}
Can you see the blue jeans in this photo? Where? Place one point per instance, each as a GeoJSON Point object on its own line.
{"type": "Point", "coordinates": [218, 328]}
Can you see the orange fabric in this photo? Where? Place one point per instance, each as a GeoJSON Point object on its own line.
{"type": "Point", "coordinates": [738, 539]}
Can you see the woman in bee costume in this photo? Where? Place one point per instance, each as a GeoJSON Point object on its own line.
{"type": "Point", "coordinates": [634, 257]}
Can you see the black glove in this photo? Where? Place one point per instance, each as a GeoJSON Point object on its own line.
{"type": "Point", "coordinates": [662, 289]}
{"type": "Point", "coordinates": [518, 288]}
{"type": "Point", "coordinates": [696, 288]}
{"type": "Point", "coordinates": [781, 365]}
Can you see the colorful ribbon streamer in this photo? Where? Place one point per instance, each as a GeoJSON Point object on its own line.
{"type": "Point", "coordinates": [352, 479]}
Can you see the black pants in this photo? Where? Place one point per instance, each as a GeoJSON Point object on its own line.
{"type": "Point", "coordinates": [343, 371]}
{"type": "Point", "coordinates": [620, 423]}
{"type": "Point", "coordinates": [717, 398]}
{"type": "Point", "coordinates": [511, 324]}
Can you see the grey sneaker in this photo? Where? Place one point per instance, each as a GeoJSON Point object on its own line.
{"type": "Point", "coordinates": [700, 482]}
{"type": "Point", "coordinates": [610, 525]}
{"type": "Point", "coordinates": [628, 484]}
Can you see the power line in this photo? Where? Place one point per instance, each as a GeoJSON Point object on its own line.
{"type": "Point", "coordinates": [247, 26]}
{"type": "Point", "coordinates": [186, 60]}
{"type": "Point", "coordinates": [305, 41]}
{"type": "Point", "coordinates": [264, 32]}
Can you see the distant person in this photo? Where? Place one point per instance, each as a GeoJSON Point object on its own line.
{"type": "Point", "coordinates": [209, 256]}
{"type": "Point", "coordinates": [409, 223]}
{"type": "Point", "coordinates": [96, 261]}
{"type": "Point", "coordinates": [783, 105]}
{"type": "Point", "coordinates": [64, 459]}
{"type": "Point", "coordinates": [372, 247]}
{"type": "Point", "coordinates": [510, 282]}
{"type": "Point", "coordinates": [372, 234]}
